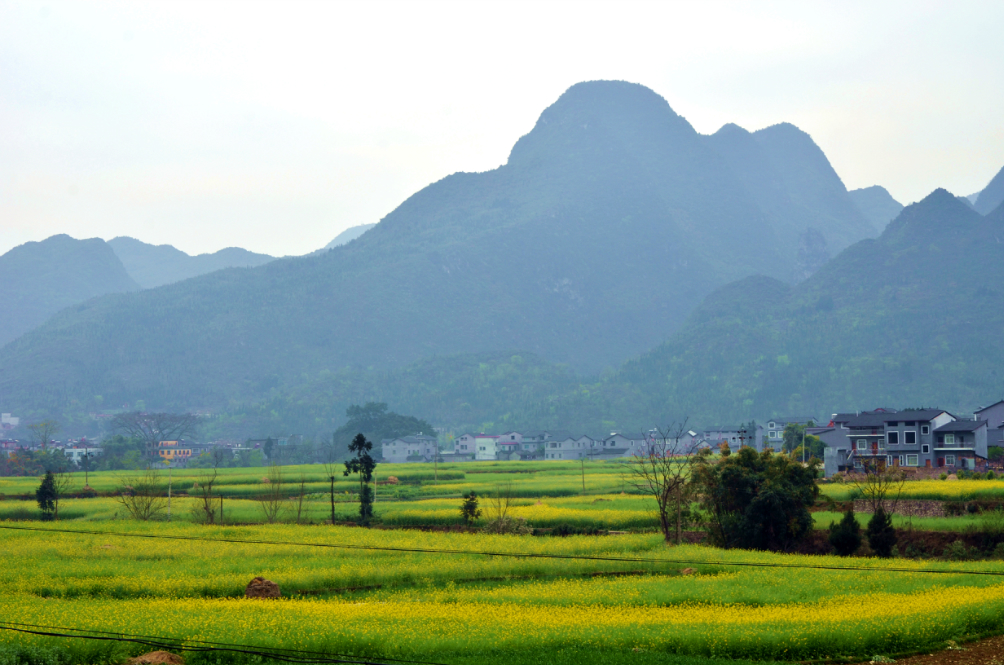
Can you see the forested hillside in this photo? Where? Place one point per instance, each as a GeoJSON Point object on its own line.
{"type": "Point", "coordinates": [608, 224]}
{"type": "Point", "coordinates": [915, 317]}
{"type": "Point", "coordinates": [37, 279]}
{"type": "Point", "coordinates": [156, 265]}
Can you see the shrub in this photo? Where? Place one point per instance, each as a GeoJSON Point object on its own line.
{"type": "Point", "coordinates": [943, 476]}
{"type": "Point", "coordinates": [757, 501]}
{"type": "Point", "coordinates": [845, 535]}
{"type": "Point", "coordinates": [508, 525]}
{"type": "Point", "coordinates": [991, 475]}
{"type": "Point", "coordinates": [469, 510]}
{"type": "Point", "coordinates": [881, 534]}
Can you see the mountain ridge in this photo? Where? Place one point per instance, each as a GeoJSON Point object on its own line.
{"type": "Point", "coordinates": [609, 222]}
{"type": "Point", "coordinates": [157, 265]}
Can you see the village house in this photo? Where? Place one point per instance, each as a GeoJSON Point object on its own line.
{"type": "Point", "coordinates": [570, 448]}
{"type": "Point", "coordinates": [417, 448]}
{"type": "Point", "coordinates": [773, 434]}
{"type": "Point", "coordinates": [921, 438]}
{"type": "Point", "coordinates": [994, 415]}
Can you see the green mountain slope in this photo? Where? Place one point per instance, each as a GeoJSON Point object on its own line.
{"type": "Point", "coordinates": [914, 317]}
{"type": "Point", "coordinates": [877, 205]}
{"type": "Point", "coordinates": [157, 265]}
{"type": "Point", "coordinates": [608, 224]}
{"type": "Point", "coordinates": [41, 278]}
{"type": "Point", "coordinates": [992, 195]}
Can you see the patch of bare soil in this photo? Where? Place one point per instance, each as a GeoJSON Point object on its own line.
{"type": "Point", "coordinates": [157, 658]}
{"type": "Point", "coordinates": [984, 652]}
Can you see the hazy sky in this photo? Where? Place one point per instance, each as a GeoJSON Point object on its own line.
{"type": "Point", "coordinates": [274, 126]}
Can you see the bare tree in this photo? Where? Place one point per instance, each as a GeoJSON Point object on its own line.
{"type": "Point", "coordinates": [141, 496]}
{"type": "Point", "coordinates": [663, 470]}
{"type": "Point", "coordinates": [63, 480]}
{"type": "Point", "coordinates": [331, 470]}
{"type": "Point", "coordinates": [880, 485]}
{"type": "Point", "coordinates": [497, 511]}
{"type": "Point", "coordinates": [271, 497]}
{"type": "Point", "coordinates": [43, 432]}
{"type": "Point", "coordinates": [206, 507]}
{"type": "Point", "coordinates": [301, 492]}
{"type": "Point", "coordinates": [152, 428]}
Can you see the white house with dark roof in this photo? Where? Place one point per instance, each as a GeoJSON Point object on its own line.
{"type": "Point", "coordinates": [418, 448]}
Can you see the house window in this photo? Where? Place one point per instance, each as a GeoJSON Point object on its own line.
{"type": "Point", "coordinates": [770, 425]}
{"type": "Point", "coordinates": [926, 448]}
{"type": "Point", "coordinates": [862, 444]}
{"type": "Point", "coordinates": [950, 441]}
{"type": "Point", "coordinates": [858, 464]}
{"type": "Point", "coordinates": [950, 460]}
{"type": "Point", "coordinates": [902, 460]}
{"type": "Point", "coordinates": [910, 423]}
{"type": "Point", "coordinates": [925, 429]}
{"type": "Point", "coordinates": [910, 438]}
{"type": "Point", "coordinates": [893, 438]}
{"type": "Point", "coordinates": [888, 460]}
{"type": "Point", "coordinates": [912, 460]}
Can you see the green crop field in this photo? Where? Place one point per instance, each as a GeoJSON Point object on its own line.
{"type": "Point", "coordinates": [478, 608]}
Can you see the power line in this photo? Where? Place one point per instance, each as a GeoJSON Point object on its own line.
{"type": "Point", "coordinates": [517, 555]}
{"type": "Point", "coordinates": [298, 656]}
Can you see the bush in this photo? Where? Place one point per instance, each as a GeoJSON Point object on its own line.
{"type": "Point", "coordinates": [991, 475]}
{"type": "Point", "coordinates": [958, 551]}
{"type": "Point", "coordinates": [508, 525]}
{"type": "Point", "coordinates": [943, 476]}
{"type": "Point", "coordinates": [758, 501]}
{"type": "Point", "coordinates": [881, 535]}
{"type": "Point", "coordinates": [845, 535]}
{"type": "Point", "coordinates": [567, 530]}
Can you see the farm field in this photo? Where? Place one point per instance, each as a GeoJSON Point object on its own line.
{"type": "Point", "coordinates": [481, 608]}
{"type": "Point", "coordinates": [933, 490]}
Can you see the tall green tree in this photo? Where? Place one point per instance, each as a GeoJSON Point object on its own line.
{"type": "Point", "coordinates": [757, 500]}
{"type": "Point", "coordinates": [881, 534]}
{"type": "Point", "coordinates": [845, 535]}
{"type": "Point", "coordinates": [363, 464]}
{"type": "Point", "coordinates": [47, 496]}
{"type": "Point", "coordinates": [374, 421]}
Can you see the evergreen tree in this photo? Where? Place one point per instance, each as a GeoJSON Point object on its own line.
{"type": "Point", "coordinates": [469, 508]}
{"type": "Point", "coordinates": [881, 534]}
{"type": "Point", "coordinates": [363, 464]}
{"type": "Point", "coordinates": [47, 496]}
{"type": "Point", "coordinates": [845, 535]}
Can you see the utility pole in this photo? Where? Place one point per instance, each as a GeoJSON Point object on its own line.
{"type": "Point", "coordinates": [803, 442]}
{"type": "Point", "coordinates": [170, 469]}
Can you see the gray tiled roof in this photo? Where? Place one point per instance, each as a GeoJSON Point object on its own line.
{"type": "Point", "coordinates": [962, 426]}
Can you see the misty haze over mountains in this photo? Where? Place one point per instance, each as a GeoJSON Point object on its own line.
{"type": "Point", "coordinates": [615, 239]}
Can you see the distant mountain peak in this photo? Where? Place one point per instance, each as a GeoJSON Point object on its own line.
{"type": "Point", "coordinates": [600, 116]}
{"type": "Point", "coordinates": [938, 211]}
{"type": "Point", "coordinates": [992, 195]}
{"type": "Point", "coordinates": [877, 205]}
{"type": "Point", "coordinates": [731, 128]}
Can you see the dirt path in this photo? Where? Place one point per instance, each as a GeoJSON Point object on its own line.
{"type": "Point", "coordinates": [984, 652]}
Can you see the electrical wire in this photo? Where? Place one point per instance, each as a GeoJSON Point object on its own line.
{"type": "Point", "coordinates": [518, 555]}
{"type": "Point", "coordinates": [298, 656]}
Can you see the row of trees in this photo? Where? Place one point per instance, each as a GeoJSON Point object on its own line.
{"type": "Point", "coordinates": [754, 500]}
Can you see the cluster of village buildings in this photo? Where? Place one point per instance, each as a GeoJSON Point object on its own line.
{"type": "Point", "coordinates": [918, 438]}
